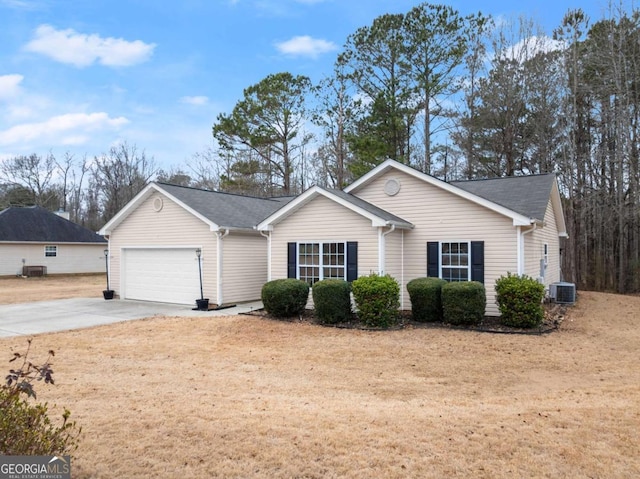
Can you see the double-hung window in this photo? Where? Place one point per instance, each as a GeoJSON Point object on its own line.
{"type": "Point", "coordinates": [318, 261]}
{"type": "Point", "coordinates": [50, 251]}
{"type": "Point", "coordinates": [454, 261]}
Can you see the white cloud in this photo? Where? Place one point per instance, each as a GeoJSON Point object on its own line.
{"type": "Point", "coordinates": [306, 46]}
{"type": "Point", "coordinates": [195, 100]}
{"type": "Point", "coordinates": [10, 86]}
{"type": "Point", "coordinates": [80, 50]}
{"type": "Point", "coordinates": [64, 129]}
{"type": "Point", "coordinates": [529, 47]}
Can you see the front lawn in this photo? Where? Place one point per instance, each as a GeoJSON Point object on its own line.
{"type": "Point", "coordinates": [244, 396]}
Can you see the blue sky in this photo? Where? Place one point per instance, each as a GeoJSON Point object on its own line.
{"type": "Point", "coordinates": [80, 76]}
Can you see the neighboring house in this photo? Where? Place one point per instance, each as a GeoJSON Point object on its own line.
{"type": "Point", "coordinates": [153, 242]}
{"type": "Point", "coordinates": [399, 221]}
{"type": "Point", "coordinates": [393, 220]}
{"type": "Point", "coordinates": [33, 236]}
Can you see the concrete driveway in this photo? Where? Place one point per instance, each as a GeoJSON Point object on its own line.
{"type": "Point", "coordinates": [65, 314]}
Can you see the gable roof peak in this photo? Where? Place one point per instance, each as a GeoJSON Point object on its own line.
{"type": "Point", "coordinates": [171, 185]}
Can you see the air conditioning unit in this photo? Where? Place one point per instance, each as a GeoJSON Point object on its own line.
{"type": "Point", "coordinates": [563, 293]}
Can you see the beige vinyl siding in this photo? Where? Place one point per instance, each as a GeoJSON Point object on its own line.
{"type": "Point", "coordinates": [171, 226]}
{"type": "Point", "coordinates": [534, 248]}
{"type": "Point", "coordinates": [244, 266]}
{"type": "Point", "coordinates": [324, 220]}
{"type": "Point", "coordinates": [442, 216]}
{"type": "Point", "coordinates": [72, 258]}
{"type": "Point", "coordinates": [393, 261]}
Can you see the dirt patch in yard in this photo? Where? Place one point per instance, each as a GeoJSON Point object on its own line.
{"type": "Point", "coordinates": [248, 397]}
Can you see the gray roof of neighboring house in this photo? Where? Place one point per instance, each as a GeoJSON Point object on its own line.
{"type": "Point", "coordinates": [360, 203]}
{"type": "Point", "coordinates": [527, 195]}
{"type": "Point", "coordinates": [37, 224]}
{"type": "Point", "coordinates": [226, 209]}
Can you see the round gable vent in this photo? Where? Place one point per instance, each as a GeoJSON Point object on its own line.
{"type": "Point", "coordinates": [157, 204]}
{"type": "Point", "coordinates": [392, 187]}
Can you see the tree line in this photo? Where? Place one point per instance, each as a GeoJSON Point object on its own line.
{"type": "Point", "coordinates": [457, 97]}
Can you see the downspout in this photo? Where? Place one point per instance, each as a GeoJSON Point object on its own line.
{"type": "Point", "coordinates": [381, 247]}
{"type": "Point", "coordinates": [402, 269]}
{"type": "Point", "coordinates": [268, 236]}
{"type": "Point", "coordinates": [521, 257]}
{"type": "Point", "coordinates": [219, 236]}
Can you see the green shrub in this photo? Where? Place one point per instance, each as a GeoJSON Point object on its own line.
{"type": "Point", "coordinates": [25, 427]}
{"type": "Point", "coordinates": [284, 298]}
{"type": "Point", "coordinates": [27, 430]}
{"type": "Point", "coordinates": [332, 300]}
{"type": "Point", "coordinates": [519, 300]}
{"type": "Point", "coordinates": [426, 298]}
{"type": "Point", "coordinates": [463, 303]}
{"type": "Point", "coordinates": [377, 300]}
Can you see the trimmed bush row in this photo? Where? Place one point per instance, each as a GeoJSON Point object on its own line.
{"type": "Point", "coordinates": [332, 301]}
{"type": "Point", "coordinates": [284, 298]}
{"type": "Point", "coordinates": [463, 303]}
{"type": "Point", "coordinates": [426, 298]}
{"type": "Point", "coordinates": [519, 299]}
{"type": "Point", "coordinates": [377, 299]}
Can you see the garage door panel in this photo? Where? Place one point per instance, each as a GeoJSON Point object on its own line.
{"type": "Point", "coordinates": [168, 275]}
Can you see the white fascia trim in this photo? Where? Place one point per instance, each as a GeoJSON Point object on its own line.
{"type": "Point", "coordinates": [307, 196]}
{"type": "Point", "coordinates": [518, 219]}
{"type": "Point", "coordinates": [556, 202]}
{"type": "Point", "coordinates": [139, 199]}
{"type": "Point", "coordinates": [126, 210]}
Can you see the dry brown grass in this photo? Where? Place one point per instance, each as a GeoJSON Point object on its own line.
{"type": "Point", "coordinates": [249, 397]}
{"type": "Point", "coordinates": [23, 290]}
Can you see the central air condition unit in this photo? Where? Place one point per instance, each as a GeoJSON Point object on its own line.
{"type": "Point", "coordinates": [563, 293]}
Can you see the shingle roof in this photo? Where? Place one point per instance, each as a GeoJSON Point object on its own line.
{"type": "Point", "coordinates": [379, 212]}
{"type": "Point", "coordinates": [37, 224]}
{"type": "Point", "coordinates": [527, 195]}
{"type": "Point", "coordinates": [226, 209]}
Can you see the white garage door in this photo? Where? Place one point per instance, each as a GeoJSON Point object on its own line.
{"type": "Point", "coordinates": [166, 275]}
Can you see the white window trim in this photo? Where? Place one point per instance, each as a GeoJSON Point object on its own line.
{"type": "Point", "coordinates": [52, 249]}
{"type": "Point", "coordinates": [321, 266]}
{"type": "Point", "coordinates": [468, 242]}
{"type": "Point", "coordinates": [545, 253]}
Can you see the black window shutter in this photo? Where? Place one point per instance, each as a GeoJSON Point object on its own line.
{"type": "Point", "coordinates": [477, 261]}
{"type": "Point", "coordinates": [292, 253]}
{"type": "Point", "coordinates": [433, 259]}
{"type": "Point", "coordinates": [352, 260]}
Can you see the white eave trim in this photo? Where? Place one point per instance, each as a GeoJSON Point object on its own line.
{"type": "Point", "coordinates": [141, 198]}
{"type": "Point", "coordinates": [558, 211]}
{"type": "Point", "coordinates": [376, 221]}
{"type": "Point", "coordinates": [518, 219]}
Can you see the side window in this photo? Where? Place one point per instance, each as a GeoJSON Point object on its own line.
{"type": "Point", "coordinates": [456, 260]}
{"type": "Point", "coordinates": [318, 261]}
{"type": "Point", "coordinates": [50, 251]}
{"type": "Point", "coordinates": [315, 261]}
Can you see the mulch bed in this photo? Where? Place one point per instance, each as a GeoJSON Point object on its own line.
{"type": "Point", "coordinates": [554, 315]}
